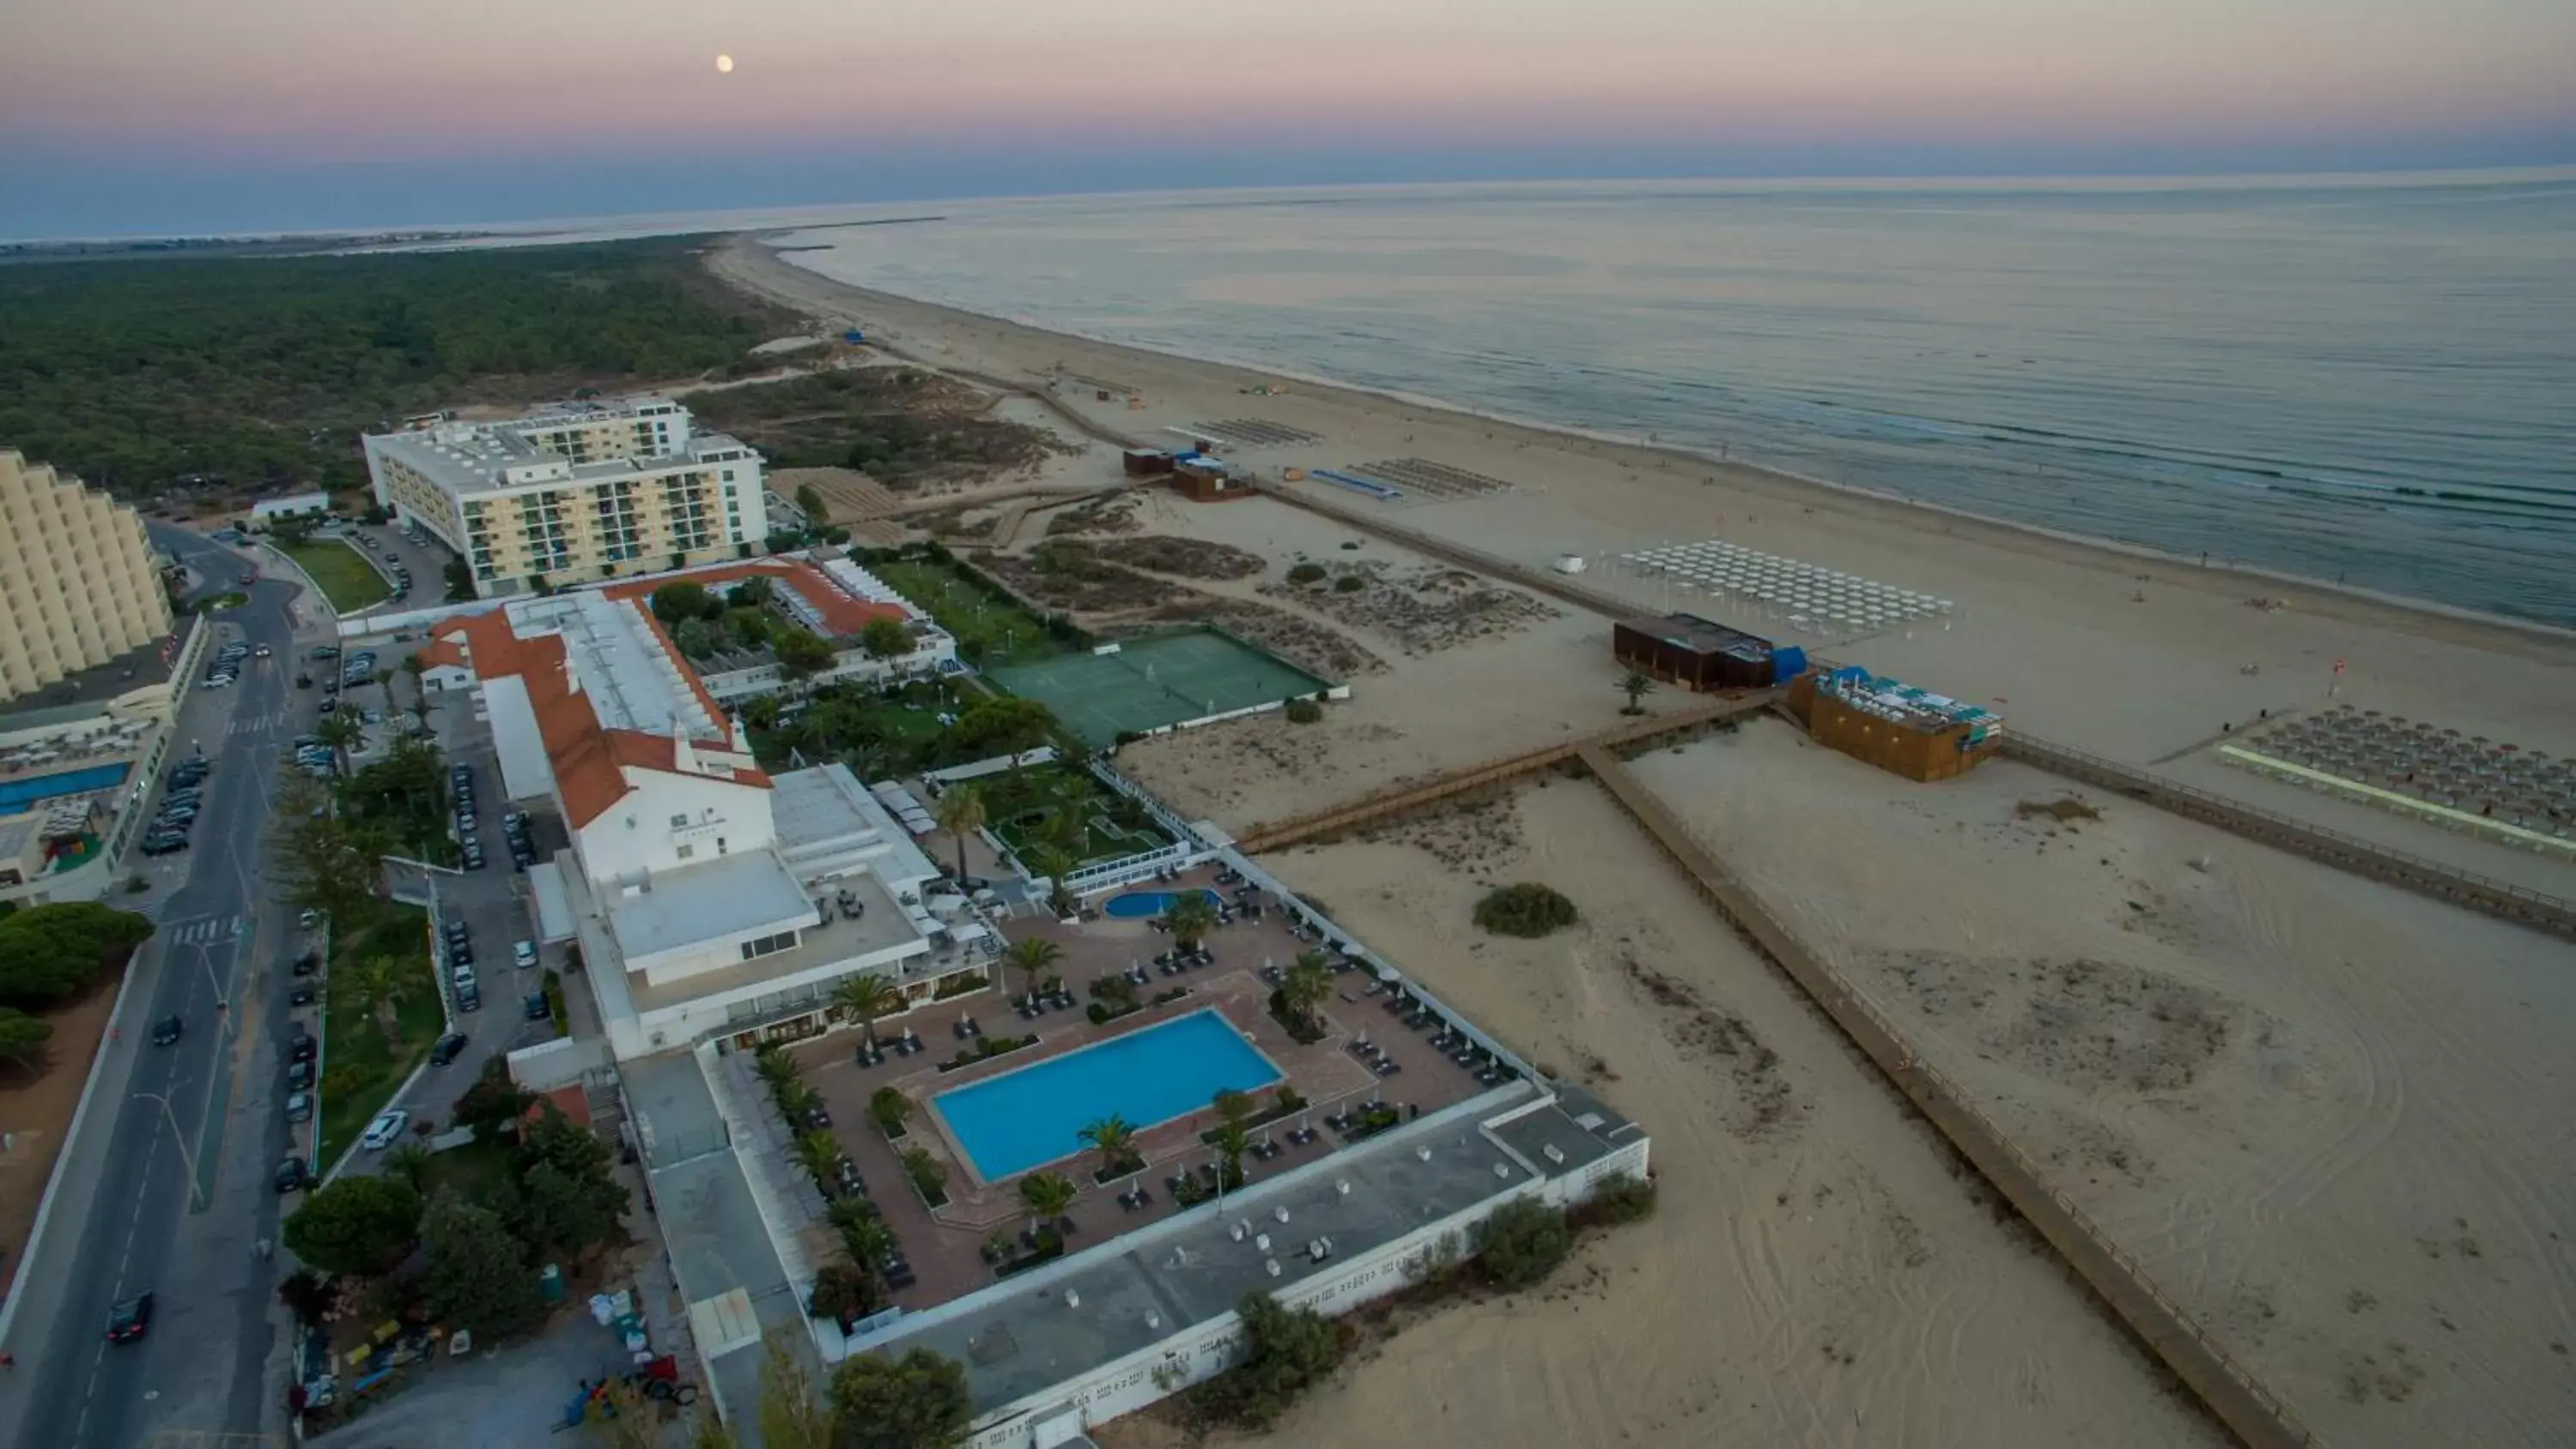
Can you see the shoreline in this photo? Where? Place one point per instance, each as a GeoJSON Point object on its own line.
{"type": "Point", "coordinates": [2369, 606]}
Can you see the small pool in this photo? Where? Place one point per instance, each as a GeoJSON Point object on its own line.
{"type": "Point", "coordinates": [1137, 905]}
{"type": "Point", "coordinates": [1033, 1116]}
{"type": "Point", "coordinates": [17, 794]}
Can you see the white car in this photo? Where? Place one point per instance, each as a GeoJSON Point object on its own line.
{"type": "Point", "coordinates": [465, 976]}
{"type": "Point", "coordinates": [382, 1131]}
{"type": "Point", "coordinates": [524, 953]}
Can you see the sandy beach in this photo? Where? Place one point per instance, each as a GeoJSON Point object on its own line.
{"type": "Point", "coordinates": [2331, 1117]}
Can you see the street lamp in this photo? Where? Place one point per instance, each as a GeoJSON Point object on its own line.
{"type": "Point", "coordinates": [186, 1158]}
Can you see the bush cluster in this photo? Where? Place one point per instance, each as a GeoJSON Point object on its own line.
{"type": "Point", "coordinates": [1528, 910]}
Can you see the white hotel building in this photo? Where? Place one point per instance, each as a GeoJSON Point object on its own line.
{"type": "Point", "coordinates": [575, 493]}
{"type": "Point", "coordinates": [709, 897]}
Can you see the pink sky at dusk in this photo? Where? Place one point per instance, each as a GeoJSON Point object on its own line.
{"type": "Point", "coordinates": [303, 80]}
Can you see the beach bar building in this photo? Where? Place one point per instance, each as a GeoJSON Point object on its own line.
{"type": "Point", "coordinates": [1897, 727]}
{"type": "Point", "coordinates": [1701, 654]}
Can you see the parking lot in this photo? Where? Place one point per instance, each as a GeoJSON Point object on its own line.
{"type": "Point", "coordinates": [492, 904]}
{"type": "Point", "coordinates": [425, 562]}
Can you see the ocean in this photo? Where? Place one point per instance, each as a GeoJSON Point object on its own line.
{"type": "Point", "coordinates": [2364, 380]}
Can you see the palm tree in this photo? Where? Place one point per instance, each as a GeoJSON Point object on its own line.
{"type": "Point", "coordinates": [1034, 956]}
{"type": "Point", "coordinates": [1190, 917]}
{"type": "Point", "coordinates": [384, 983]}
{"type": "Point", "coordinates": [1231, 1140]}
{"type": "Point", "coordinates": [385, 682]}
{"type": "Point", "coordinates": [961, 814]}
{"type": "Point", "coordinates": [1055, 863]}
{"type": "Point", "coordinates": [339, 732]}
{"type": "Point", "coordinates": [1046, 1195]}
{"type": "Point", "coordinates": [818, 1154]}
{"type": "Point", "coordinates": [1305, 984]}
{"type": "Point", "coordinates": [1636, 686]}
{"type": "Point", "coordinates": [413, 666]}
{"type": "Point", "coordinates": [775, 1066]}
{"type": "Point", "coordinates": [1114, 1139]}
{"type": "Point", "coordinates": [870, 998]}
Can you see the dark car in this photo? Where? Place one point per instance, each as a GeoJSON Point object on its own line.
{"type": "Point", "coordinates": [293, 1174]}
{"type": "Point", "coordinates": [166, 1030]}
{"type": "Point", "coordinates": [299, 1076]}
{"type": "Point", "coordinates": [534, 1008]}
{"type": "Point", "coordinates": [302, 1048]}
{"type": "Point", "coordinates": [307, 964]}
{"type": "Point", "coordinates": [130, 1319]}
{"type": "Point", "coordinates": [469, 998]}
{"type": "Point", "coordinates": [448, 1049]}
{"type": "Point", "coordinates": [164, 844]}
{"type": "Point", "coordinates": [300, 996]}
{"type": "Point", "coordinates": [329, 705]}
{"type": "Point", "coordinates": [304, 681]}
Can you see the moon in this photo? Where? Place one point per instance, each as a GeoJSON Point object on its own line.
{"type": "Point", "coordinates": [724, 65]}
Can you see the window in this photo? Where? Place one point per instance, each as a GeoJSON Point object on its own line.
{"type": "Point", "coordinates": [754, 949]}
{"type": "Point", "coordinates": [679, 820]}
{"type": "Point", "coordinates": [686, 851]}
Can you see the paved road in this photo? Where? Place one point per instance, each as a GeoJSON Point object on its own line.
{"type": "Point", "coordinates": [132, 1219]}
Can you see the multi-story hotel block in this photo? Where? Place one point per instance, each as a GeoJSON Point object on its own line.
{"type": "Point", "coordinates": [578, 492]}
{"type": "Point", "coordinates": [78, 582]}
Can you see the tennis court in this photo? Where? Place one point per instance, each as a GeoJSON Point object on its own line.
{"type": "Point", "coordinates": [1152, 684]}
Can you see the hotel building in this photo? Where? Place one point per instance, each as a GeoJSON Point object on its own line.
{"type": "Point", "coordinates": [79, 586]}
{"type": "Point", "coordinates": [709, 897]}
{"type": "Point", "coordinates": [575, 493]}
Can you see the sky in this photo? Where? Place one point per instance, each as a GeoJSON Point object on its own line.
{"type": "Point", "coordinates": [184, 117]}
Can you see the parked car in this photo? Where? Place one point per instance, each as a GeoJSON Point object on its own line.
{"type": "Point", "coordinates": [382, 1131]}
{"type": "Point", "coordinates": [299, 1107]}
{"type": "Point", "coordinates": [447, 1049]}
{"type": "Point", "coordinates": [292, 1175]}
{"type": "Point", "coordinates": [300, 996]}
{"type": "Point", "coordinates": [308, 918]}
{"type": "Point", "coordinates": [301, 1047]}
{"type": "Point", "coordinates": [465, 976]}
{"type": "Point", "coordinates": [307, 964]}
{"type": "Point", "coordinates": [329, 705]}
{"type": "Point", "coordinates": [299, 1076]}
{"type": "Point", "coordinates": [469, 998]}
{"type": "Point", "coordinates": [534, 1007]}
{"type": "Point", "coordinates": [523, 954]}
{"type": "Point", "coordinates": [130, 1319]}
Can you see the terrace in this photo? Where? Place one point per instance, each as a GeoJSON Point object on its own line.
{"type": "Point", "coordinates": [947, 1246]}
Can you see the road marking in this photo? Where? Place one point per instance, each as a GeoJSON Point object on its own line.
{"type": "Point", "coordinates": [206, 930]}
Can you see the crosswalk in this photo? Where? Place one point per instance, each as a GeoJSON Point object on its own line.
{"type": "Point", "coordinates": [259, 724]}
{"type": "Point", "coordinates": [203, 930]}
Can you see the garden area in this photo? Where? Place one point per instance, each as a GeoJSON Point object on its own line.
{"type": "Point", "coordinates": [1050, 808]}
{"type": "Point", "coordinates": [347, 579]}
{"type": "Point", "coordinates": [989, 627]}
{"type": "Point", "coordinates": [398, 804]}
{"type": "Point", "coordinates": [381, 1010]}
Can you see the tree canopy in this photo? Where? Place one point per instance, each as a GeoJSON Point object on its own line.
{"type": "Point", "coordinates": [50, 952]}
{"type": "Point", "coordinates": [918, 1401]}
{"type": "Point", "coordinates": [134, 374]}
{"type": "Point", "coordinates": [1004, 726]}
{"type": "Point", "coordinates": [478, 1275]}
{"type": "Point", "coordinates": [355, 1225]}
{"type": "Point", "coordinates": [885, 639]}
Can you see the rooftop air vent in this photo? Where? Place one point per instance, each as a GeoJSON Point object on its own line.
{"type": "Point", "coordinates": [1423, 1152]}
{"type": "Point", "coordinates": [1072, 1299]}
{"type": "Point", "coordinates": [1262, 1242]}
{"type": "Point", "coordinates": [1503, 1170]}
{"type": "Point", "coordinates": [1343, 1186]}
{"type": "Point", "coordinates": [1280, 1212]}
{"type": "Point", "coordinates": [1553, 1153]}
{"type": "Point", "coordinates": [1271, 1265]}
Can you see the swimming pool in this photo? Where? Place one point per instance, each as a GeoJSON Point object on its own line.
{"type": "Point", "coordinates": [1022, 1119]}
{"type": "Point", "coordinates": [1136, 905]}
{"type": "Point", "coordinates": [17, 794]}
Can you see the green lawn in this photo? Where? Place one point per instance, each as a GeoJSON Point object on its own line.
{"type": "Point", "coordinates": [874, 736]}
{"type": "Point", "coordinates": [1003, 632]}
{"type": "Point", "coordinates": [1016, 804]}
{"type": "Point", "coordinates": [359, 1072]}
{"type": "Point", "coordinates": [349, 581]}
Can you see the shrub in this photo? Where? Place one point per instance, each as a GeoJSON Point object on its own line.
{"type": "Point", "coordinates": [1527, 910]}
{"type": "Point", "coordinates": [1285, 1351]}
{"type": "Point", "coordinates": [1521, 1243]}
{"type": "Point", "coordinates": [928, 1174]}
{"type": "Point", "coordinates": [1304, 711]}
{"type": "Point", "coordinates": [1349, 584]}
{"type": "Point", "coordinates": [1614, 1201]}
{"type": "Point", "coordinates": [843, 1292]}
{"type": "Point", "coordinates": [1306, 573]}
{"type": "Point", "coordinates": [1098, 1013]}
{"type": "Point", "coordinates": [890, 1108]}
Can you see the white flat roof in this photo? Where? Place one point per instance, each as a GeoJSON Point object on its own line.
{"type": "Point", "coordinates": [721, 899]}
{"type": "Point", "coordinates": [617, 662]}
{"type": "Point", "coordinates": [829, 825]}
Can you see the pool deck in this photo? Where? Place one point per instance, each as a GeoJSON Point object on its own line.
{"type": "Point", "coordinates": [945, 1248]}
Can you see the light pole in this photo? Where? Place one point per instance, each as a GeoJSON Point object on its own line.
{"type": "Point", "coordinates": [186, 1158]}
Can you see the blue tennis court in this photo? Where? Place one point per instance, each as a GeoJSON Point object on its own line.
{"type": "Point", "coordinates": [1033, 1116]}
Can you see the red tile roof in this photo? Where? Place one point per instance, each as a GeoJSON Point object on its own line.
{"type": "Point", "coordinates": [844, 614]}
{"type": "Point", "coordinates": [590, 759]}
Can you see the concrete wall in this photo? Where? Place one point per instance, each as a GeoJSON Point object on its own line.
{"type": "Point", "coordinates": [557, 1063]}
{"type": "Point", "coordinates": [636, 835]}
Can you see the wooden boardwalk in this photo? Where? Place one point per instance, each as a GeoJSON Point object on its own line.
{"type": "Point", "coordinates": [1701, 713]}
{"type": "Point", "coordinates": [2231, 1393]}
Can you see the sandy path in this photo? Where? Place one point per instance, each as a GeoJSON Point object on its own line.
{"type": "Point", "coordinates": [1817, 1274]}
{"type": "Point", "coordinates": [2334, 1119]}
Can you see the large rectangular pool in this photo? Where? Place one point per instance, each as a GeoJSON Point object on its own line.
{"type": "Point", "coordinates": [1033, 1116]}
